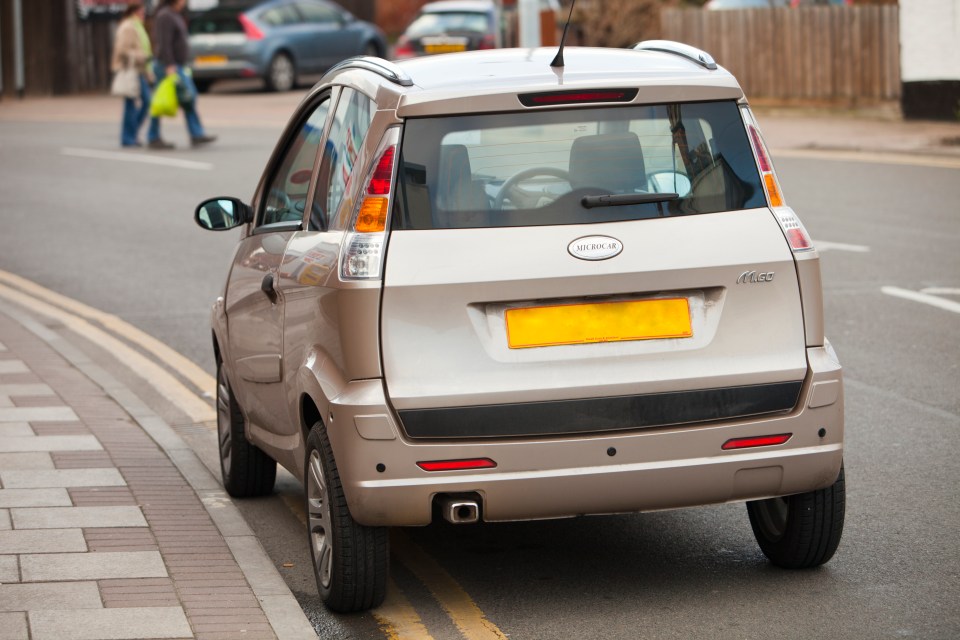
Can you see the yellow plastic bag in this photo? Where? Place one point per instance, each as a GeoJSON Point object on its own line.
{"type": "Point", "coordinates": [164, 102]}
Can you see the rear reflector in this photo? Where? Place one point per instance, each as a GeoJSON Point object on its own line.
{"type": "Point", "coordinates": [577, 97]}
{"type": "Point", "coordinates": [457, 465]}
{"type": "Point", "coordinates": [757, 441]}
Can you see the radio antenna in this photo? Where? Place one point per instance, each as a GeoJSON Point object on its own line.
{"type": "Point", "coordinates": [558, 59]}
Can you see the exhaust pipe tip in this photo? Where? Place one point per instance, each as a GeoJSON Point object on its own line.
{"type": "Point", "coordinates": [459, 510]}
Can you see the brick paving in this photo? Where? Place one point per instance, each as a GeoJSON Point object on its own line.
{"type": "Point", "coordinates": [100, 533]}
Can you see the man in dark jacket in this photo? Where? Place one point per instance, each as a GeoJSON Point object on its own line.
{"type": "Point", "coordinates": [171, 53]}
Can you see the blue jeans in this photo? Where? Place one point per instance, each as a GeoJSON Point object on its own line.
{"type": "Point", "coordinates": [134, 114]}
{"type": "Point", "coordinates": [189, 110]}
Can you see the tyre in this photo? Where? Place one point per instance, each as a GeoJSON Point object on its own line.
{"type": "Point", "coordinates": [281, 74]}
{"type": "Point", "coordinates": [245, 469]}
{"type": "Point", "coordinates": [350, 561]}
{"type": "Point", "coordinates": [203, 86]}
{"type": "Point", "coordinates": [371, 49]}
{"type": "Point", "coordinates": [802, 530]}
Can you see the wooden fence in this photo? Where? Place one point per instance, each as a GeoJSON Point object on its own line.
{"type": "Point", "coordinates": [843, 55]}
{"type": "Point", "coordinates": [62, 53]}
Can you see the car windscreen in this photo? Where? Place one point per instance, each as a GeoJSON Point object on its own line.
{"type": "Point", "coordinates": [575, 166]}
{"type": "Point", "coordinates": [432, 24]}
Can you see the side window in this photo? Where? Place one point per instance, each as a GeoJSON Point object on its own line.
{"type": "Point", "coordinates": [318, 13]}
{"type": "Point", "coordinates": [347, 131]}
{"type": "Point", "coordinates": [286, 197]}
{"type": "Point", "coordinates": [282, 15]}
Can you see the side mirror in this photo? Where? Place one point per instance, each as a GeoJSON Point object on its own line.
{"type": "Point", "coordinates": [221, 214]}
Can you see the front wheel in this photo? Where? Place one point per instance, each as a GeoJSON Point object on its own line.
{"type": "Point", "coordinates": [802, 530]}
{"type": "Point", "coordinates": [350, 560]}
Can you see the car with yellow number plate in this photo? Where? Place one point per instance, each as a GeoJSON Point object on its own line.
{"type": "Point", "coordinates": [514, 285]}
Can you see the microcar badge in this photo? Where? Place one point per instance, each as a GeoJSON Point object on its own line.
{"type": "Point", "coordinates": [595, 247]}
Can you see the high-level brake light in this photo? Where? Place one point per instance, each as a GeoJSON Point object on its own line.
{"type": "Point", "coordinates": [362, 255]}
{"type": "Point", "coordinates": [553, 98]}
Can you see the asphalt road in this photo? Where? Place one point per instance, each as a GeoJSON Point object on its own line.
{"type": "Point", "coordinates": [117, 234]}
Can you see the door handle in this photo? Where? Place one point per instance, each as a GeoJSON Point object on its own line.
{"type": "Point", "coordinates": [266, 285]}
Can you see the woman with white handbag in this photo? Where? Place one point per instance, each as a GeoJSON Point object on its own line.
{"type": "Point", "coordinates": [132, 74]}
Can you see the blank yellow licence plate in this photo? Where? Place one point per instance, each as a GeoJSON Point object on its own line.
{"type": "Point", "coordinates": [598, 322]}
{"type": "Point", "coordinates": [444, 48]}
{"type": "Point", "coordinates": [206, 60]}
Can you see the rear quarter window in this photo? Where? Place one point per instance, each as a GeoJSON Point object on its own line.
{"type": "Point", "coordinates": [534, 167]}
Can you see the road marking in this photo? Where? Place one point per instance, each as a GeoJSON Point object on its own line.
{"type": "Point", "coordinates": [172, 389]}
{"type": "Point", "coordinates": [938, 162]}
{"type": "Point", "coordinates": [925, 298]}
{"type": "Point", "coordinates": [824, 245]}
{"type": "Point", "coordinates": [466, 615]}
{"type": "Point", "coordinates": [185, 367]}
{"type": "Point", "coordinates": [941, 291]}
{"type": "Point", "coordinates": [397, 617]}
{"type": "Point", "coordinates": [126, 156]}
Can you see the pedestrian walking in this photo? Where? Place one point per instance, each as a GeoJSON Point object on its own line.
{"type": "Point", "coordinates": [170, 39]}
{"type": "Point", "coordinates": [131, 63]}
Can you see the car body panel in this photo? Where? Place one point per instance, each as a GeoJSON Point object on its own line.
{"type": "Point", "coordinates": [444, 339]}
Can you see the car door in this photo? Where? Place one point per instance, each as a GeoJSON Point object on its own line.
{"type": "Point", "coordinates": [254, 302]}
{"type": "Point", "coordinates": [332, 36]}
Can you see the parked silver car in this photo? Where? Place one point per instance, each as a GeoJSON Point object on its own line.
{"type": "Point", "coordinates": [487, 287]}
{"type": "Point", "coordinates": [450, 26]}
{"type": "Point", "coordinates": [276, 40]}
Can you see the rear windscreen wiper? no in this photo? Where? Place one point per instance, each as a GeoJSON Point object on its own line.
{"type": "Point", "coordinates": [617, 200]}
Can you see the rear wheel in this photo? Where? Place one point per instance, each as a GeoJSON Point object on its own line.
{"type": "Point", "coordinates": [802, 530]}
{"type": "Point", "coordinates": [246, 470]}
{"type": "Point", "coordinates": [281, 74]}
{"type": "Point", "coordinates": [203, 86]}
{"type": "Point", "coordinates": [350, 561]}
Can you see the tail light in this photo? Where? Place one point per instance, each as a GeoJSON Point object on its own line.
{"type": "Point", "coordinates": [403, 48]}
{"type": "Point", "coordinates": [365, 241]}
{"type": "Point", "coordinates": [488, 42]}
{"type": "Point", "coordinates": [251, 30]}
{"type": "Point", "coordinates": [794, 231]}
{"type": "Point", "coordinates": [757, 441]}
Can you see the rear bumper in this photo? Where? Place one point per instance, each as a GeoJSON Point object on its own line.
{"type": "Point", "coordinates": [232, 69]}
{"type": "Point", "coordinates": [651, 469]}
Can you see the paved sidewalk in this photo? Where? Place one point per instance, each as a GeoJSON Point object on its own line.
{"type": "Point", "coordinates": [110, 527]}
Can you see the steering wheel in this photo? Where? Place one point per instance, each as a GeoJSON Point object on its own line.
{"type": "Point", "coordinates": [520, 198]}
{"type": "Point", "coordinates": [282, 205]}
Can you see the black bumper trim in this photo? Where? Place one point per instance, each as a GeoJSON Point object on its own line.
{"type": "Point", "coordinates": [563, 417]}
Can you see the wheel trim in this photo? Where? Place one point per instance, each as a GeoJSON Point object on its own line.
{"type": "Point", "coordinates": [281, 73]}
{"type": "Point", "coordinates": [224, 421]}
{"type": "Point", "coordinates": [773, 515]}
{"type": "Point", "coordinates": [318, 513]}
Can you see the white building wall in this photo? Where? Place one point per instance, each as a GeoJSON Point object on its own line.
{"type": "Point", "coordinates": [929, 40]}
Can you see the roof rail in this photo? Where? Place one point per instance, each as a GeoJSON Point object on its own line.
{"type": "Point", "coordinates": [382, 67]}
{"type": "Point", "coordinates": [699, 56]}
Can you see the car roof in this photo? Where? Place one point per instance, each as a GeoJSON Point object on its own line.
{"type": "Point", "coordinates": [458, 80]}
{"type": "Point", "coordinates": [490, 80]}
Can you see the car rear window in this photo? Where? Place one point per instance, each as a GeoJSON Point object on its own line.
{"type": "Point", "coordinates": [432, 24]}
{"type": "Point", "coordinates": [216, 21]}
{"type": "Point", "coordinates": [535, 167]}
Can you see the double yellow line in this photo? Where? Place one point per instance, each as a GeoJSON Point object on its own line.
{"type": "Point", "coordinates": [398, 619]}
